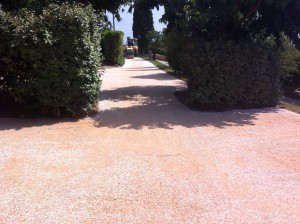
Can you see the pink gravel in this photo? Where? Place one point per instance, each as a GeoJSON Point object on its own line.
{"type": "Point", "coordinates": [146, 158]}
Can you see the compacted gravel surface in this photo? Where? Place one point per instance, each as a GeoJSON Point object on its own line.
{"type": "Point", "coordinates": [146, 158]}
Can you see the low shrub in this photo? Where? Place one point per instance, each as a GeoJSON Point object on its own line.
{"type": "Point", "coordinates": [226, 75]}
{"type": "Point", "coordinates": [50, 62]}
{"type": "Point", "coordinates": [113, 47]}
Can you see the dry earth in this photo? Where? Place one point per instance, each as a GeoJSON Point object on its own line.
{"type": "Point", "coordinates": [145, 158]}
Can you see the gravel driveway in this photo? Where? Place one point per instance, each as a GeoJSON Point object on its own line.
{"type": "Point", "coordinates": [146, 158]}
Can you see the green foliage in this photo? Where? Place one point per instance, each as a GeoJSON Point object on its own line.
{"type": "Point", "coordinates": [175, 44]}
{"type": "Point", "coordinates": [156, 45]}
{"type": "Point", "coordinates": [226, 75]}
{"type": "Point", "coordinates": [289, 58]}
{"type": "Point", "coordinates": [231, 19]}
{"type": "Point", "coordinates": [49, 63]}
{"type": "Point", "coordinates": [102, 5]}
{"type": "Point", "coordinates": [232, 66]}
{"type": "Point", "coordinates": [142, 24]}
{"type": "Point", "coordinates": [280, 16]}
{"type": "Point", "coordinates": [113, 47]}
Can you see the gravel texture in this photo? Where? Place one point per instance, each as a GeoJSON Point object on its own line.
{"type": "Point", "coordinates": [146, 158]}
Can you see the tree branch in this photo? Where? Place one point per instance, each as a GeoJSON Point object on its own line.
{"type": "Point", "coordinates": [237, 7]}
{"type": "Point", "coordinates": [253, 10]}
{"type": "Point", "coordinates": [250, 13]}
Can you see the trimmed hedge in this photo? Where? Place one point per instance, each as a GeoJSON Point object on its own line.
{"type": "Point", "coordinates": [49, 63]}
{"type": "Point", "coordinates": [229, 75]}
{"type": "Point", "coordinates": [175, 44]}
{"type": "Point", "coordinates": [113, 47]}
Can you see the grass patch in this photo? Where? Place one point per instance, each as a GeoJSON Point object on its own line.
{"type": "Point", "coordinates": [290, 106]}
{"type": "Point", "coordinates": [291, 98]}
{"type": "Point", "coordinates": [167, 69]}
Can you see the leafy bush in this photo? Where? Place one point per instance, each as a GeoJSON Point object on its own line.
{"type": "Point", "coordinates": [175, 44]}
{"type": "Point", "coordinates": [50, 62]}
{"type": "Point", "coordinates": [113, 47]}
{"type": "Point", "coordinates": [226, 75]}
{"type": "Point", "coordinates": [289, 57]}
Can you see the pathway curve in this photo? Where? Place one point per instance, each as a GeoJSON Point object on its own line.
{"type": "Point", "coordinates": [163, 62]}
{"type": "Point", "coordinates": [146, 158]}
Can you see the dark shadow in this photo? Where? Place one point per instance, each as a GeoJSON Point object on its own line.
{"type": "Point", "coordinates": [149, 106]}
{"type": "Point", "coordinates": [291, 100]}
{"type": "Point", "coordinates": [141, 69]}
{"type": "Point", "coordinates": [20, 123]}
{"type": "Point", "coordinates": [159, 76]}
{"type": "Point", "coordinates": [157, 107]}
{"type": "Point", "coordinates": [15, 116]}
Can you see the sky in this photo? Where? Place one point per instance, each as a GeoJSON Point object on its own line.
{"type": "Point", "coordinates": [127, 19]}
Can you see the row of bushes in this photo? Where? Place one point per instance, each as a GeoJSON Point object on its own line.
{"type": "Point", "coordinates": [49, 63]}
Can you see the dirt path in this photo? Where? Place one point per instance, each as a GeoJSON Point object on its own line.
{"type": "Point", "coordinates": [145, 158]}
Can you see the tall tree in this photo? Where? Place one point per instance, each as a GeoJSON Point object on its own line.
{"type": "Point", "coordinates": [142, 24]}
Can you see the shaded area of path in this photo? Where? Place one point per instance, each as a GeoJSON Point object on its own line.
{"type": "Point", "coordinates": [291, 100]}
{"type": "Point", "coordinates": [140, 95]}
{"type": "Point", "coordinates": [147, 158]}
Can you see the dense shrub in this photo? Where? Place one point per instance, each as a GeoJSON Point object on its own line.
{"type": "Point", "coordinates": [49, 62]}
{"type": "Point", "coordinates": [175, 44]}
{"type": "Point", "coordinates": [289, 57]}
{"type": "Point", "coordinates": [113, 47]}
{"type": "Point", "coordinates": [226, 75]}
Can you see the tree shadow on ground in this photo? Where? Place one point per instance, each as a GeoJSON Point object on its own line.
{"type": "Point", "coordinates": [137, 107]}
{"type": "Point", "coordinates": [7, 123]}
{"type": "Point", "coordinates": [158, 76]}
{"type": "Point", "coordinates": [141, 69]}
{"type": "Point", "coordinates": [156, 107]}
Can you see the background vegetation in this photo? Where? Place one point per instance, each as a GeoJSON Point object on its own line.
{"type": "Point", "coordinates": [38, 5]}
{"type": "Point", "coordinates": [142, 24]}
{"type": "Point", "coordinates": [113, 47]}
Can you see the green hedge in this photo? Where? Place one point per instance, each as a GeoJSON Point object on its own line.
{"type": "Point", "coordinates": [113, 47]}
{"type": "Point", "coordinates": [229, 75]}
{"type": "Point", "coordinates": [175, 44]}
{"type": "Point", "coordinates": [49, 63]}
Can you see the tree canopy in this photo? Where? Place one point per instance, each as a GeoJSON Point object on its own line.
{"type": "Point", "coordinates": [209, 19]}
{"type": "Point", "coordinates": [232, 19]}
{"type": "Point", "coordinates": [102, 5]}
